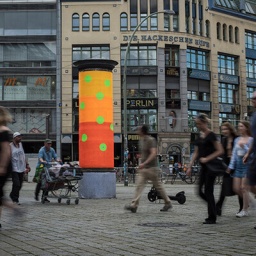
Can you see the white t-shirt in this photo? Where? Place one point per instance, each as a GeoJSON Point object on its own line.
{"type": "Point", "coordinates": [18, 158]}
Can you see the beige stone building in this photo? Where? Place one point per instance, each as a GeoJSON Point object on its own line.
{"type": "Point", "coordinates": [201, 59]}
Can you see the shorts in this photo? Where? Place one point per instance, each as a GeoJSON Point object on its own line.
{"type": "Point", "coordinates": [241, 169]}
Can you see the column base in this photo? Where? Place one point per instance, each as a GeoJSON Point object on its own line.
{"type": "Point", "coordinates": [95, 185]}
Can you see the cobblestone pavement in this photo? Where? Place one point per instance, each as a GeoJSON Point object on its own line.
{"type": "Point", "coordinates": [103, 227]}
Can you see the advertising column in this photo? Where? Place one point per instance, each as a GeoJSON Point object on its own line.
{"type": "Point", "coordinates": [96, 131]}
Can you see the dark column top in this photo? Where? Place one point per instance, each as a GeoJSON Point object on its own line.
{"type": "Point", "coordinates": [95, 64]}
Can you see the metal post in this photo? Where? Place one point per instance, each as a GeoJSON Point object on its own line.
{"type": "Point", "coordinates": [170, 12]}
{"type": "Point", "coordinates": [47, 117]}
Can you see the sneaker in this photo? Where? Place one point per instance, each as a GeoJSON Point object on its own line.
{"type": "Point", "coordinates": [130, 208]}
{"type": "Point", "coordinates": [46, 200]}
{"type": "Point", "coordinates": [166, 207]}
{"type": "Point", "coordinates": [241, 214]}
{"type": "Point", "coordinates": [36, 198]}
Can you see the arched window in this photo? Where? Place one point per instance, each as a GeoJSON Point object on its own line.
{"type": "Point", "coordinates": [207, 28]}
{"type": "Point", "coordinates": [123, 22]}
{"type": "Point", "coordinates": [224, 31]}
{"type": "Point", "coordinates": [218, 30]}
{"type": "Point", "coordinates": [105, 22]}
{"type": "Point", "coordinates": [230, 34]}
{"type": "Point", "coordinates": [86, 22]}
{"type": "Point", "coordinates": [236, 35]}
{"type": "Point", "coordinates": [75, 22]}
{"type": "Point", "coordinates": [95, 22]}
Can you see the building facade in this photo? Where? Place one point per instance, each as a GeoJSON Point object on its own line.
{"type": "Point", "coordinates": [201, 59]}
{"type": "Point", "coordinates": [28, 69]}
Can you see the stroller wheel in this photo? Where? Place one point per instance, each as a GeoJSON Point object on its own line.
{"type": "Point", "coordinates": [181, 198]}
{"type": "Point", "coordinates": [152, 194]}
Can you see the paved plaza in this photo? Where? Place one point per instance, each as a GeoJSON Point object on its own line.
{"type": "Point", "coordinates": [103, 227]}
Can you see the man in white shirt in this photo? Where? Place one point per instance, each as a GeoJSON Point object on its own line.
{"type": "Point", "coordinates": [19, 166]}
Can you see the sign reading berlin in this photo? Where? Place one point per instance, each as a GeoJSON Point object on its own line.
{"type": "Point", "coordinates": [175, 39]}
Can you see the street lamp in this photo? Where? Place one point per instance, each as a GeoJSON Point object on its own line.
{"type": "Point", "coordinates": [170, 12]}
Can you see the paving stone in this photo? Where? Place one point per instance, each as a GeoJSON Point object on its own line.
{"type": "Point", "coordinates": [103, 227]}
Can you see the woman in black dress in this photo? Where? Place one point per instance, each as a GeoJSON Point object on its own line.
{"type": "Point", "coordinates": [207, 147]}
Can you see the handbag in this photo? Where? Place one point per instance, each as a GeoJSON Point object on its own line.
{"type": "Point", "coordinates": [216, 166]}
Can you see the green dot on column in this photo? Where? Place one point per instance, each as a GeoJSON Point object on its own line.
{"type": "Point", "coordinates": [111, 127]}
{"type": "Point", "coordinates": [107, 82]}
{"type": "Point", "coordinates": [82, 105]}
{"type": "Point", "coordinates": [84, 137]}
{"type": "Point", "coordinates": [100, 120]}
{"type": "Point", "coordinates": [103, 147]}
{"type": "Point", "coordinates": [99, 95]}
{"type": "Point", "coordinates": [88, 79]}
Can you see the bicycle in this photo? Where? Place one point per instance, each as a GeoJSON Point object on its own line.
{"type": "Point", "coordinates": [178, 172]}
{"type": "Point", "coordinates": [120, 175]}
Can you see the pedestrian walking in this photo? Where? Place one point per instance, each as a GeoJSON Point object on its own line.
{"type": "Point", "coordinates": [238, 168]}
{"type": "Point", "coordinates": [229, 135]}
{"type": "Point", "coordinates": [5, 159]}
{"type": "Point", "coordinates": [251, 153]}
{"type": "Point", "coordinates": [207, 147]}
{"type": "Point", "coordinates": [46, 155]}
{"type": "Point", "coordinates": [20, 166]}
{"type": "Point", "coordinates": [148, 170]}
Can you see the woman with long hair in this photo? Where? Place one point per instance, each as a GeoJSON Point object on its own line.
{"type": "Point", "coordinates": [207, 148]}
{"type": "Point", "coordinates": [239, 169]}
{"type": "Point", "coordinates": [229, 135]}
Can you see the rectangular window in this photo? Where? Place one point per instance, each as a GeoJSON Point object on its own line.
{"type": "Point", "coordinates": [167, 22]}
{"type": "Point", "coordinates": [22, 87]}
{"type": "Point", "coordinates": [172, 57]}
{"type": "Point", "coordinates": [27, 22]}
{"type": "Point", "coordinates": [227, 65]}
{"type": "Point", "coordinates": [32, 120]}
{"type": "Point", "coordinates": [249, 93]}
{"type": "Point", "coordinates": [250, 40]}
{"type": "Point", "coordinates": [137, 117]}
{"type": "Point", "coordinates": [228, 93]}
{"type": "Point", "coordinates": [251, 68]}
{"type": "Point", "coordinates": [196, 95]}
{"type": "Point", "coordinates": [197, 59]}
{"type": "Point", "coordinates": [227, 117]}
{"type": "Point", "coordinates": [143, 14]}
{"type": "Point", "coordinates": [133, 14]}
{"type": "Point", "coordinates": [172, 99]}
{"type": "Point", "coordinates": [91, 52]}
{"type": "Point", "coordinates": [167, 5]}
{"type": "Point", "coordinates": [142, 55]}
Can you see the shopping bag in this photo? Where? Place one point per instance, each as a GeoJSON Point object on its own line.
{"type": "Point", "coordinates": [37, 176]}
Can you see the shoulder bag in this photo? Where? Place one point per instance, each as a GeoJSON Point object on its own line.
{"type": "Point", "coordinates": [216, 166]}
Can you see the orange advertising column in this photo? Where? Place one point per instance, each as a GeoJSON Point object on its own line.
{"type": "Point", "coordinates": [96, 131]}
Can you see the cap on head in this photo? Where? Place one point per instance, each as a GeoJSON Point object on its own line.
{"type": "Point", "coordinates": [16, 134]}
{"type": "Point", "coordinates": [48, 141]}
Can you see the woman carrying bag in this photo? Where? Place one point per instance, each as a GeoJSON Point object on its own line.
{"type": "Point", "coordinates": [207, 148]}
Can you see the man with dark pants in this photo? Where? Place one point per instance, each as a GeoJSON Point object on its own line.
{"type": "Point", "coordinates": [251, 175]}
{"type": "Point", "coordinates": [45, 156]}
{"type": "Point", "coordinates": [148, 170]}
{"type": "Point", "coordinates": [19, 166]}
